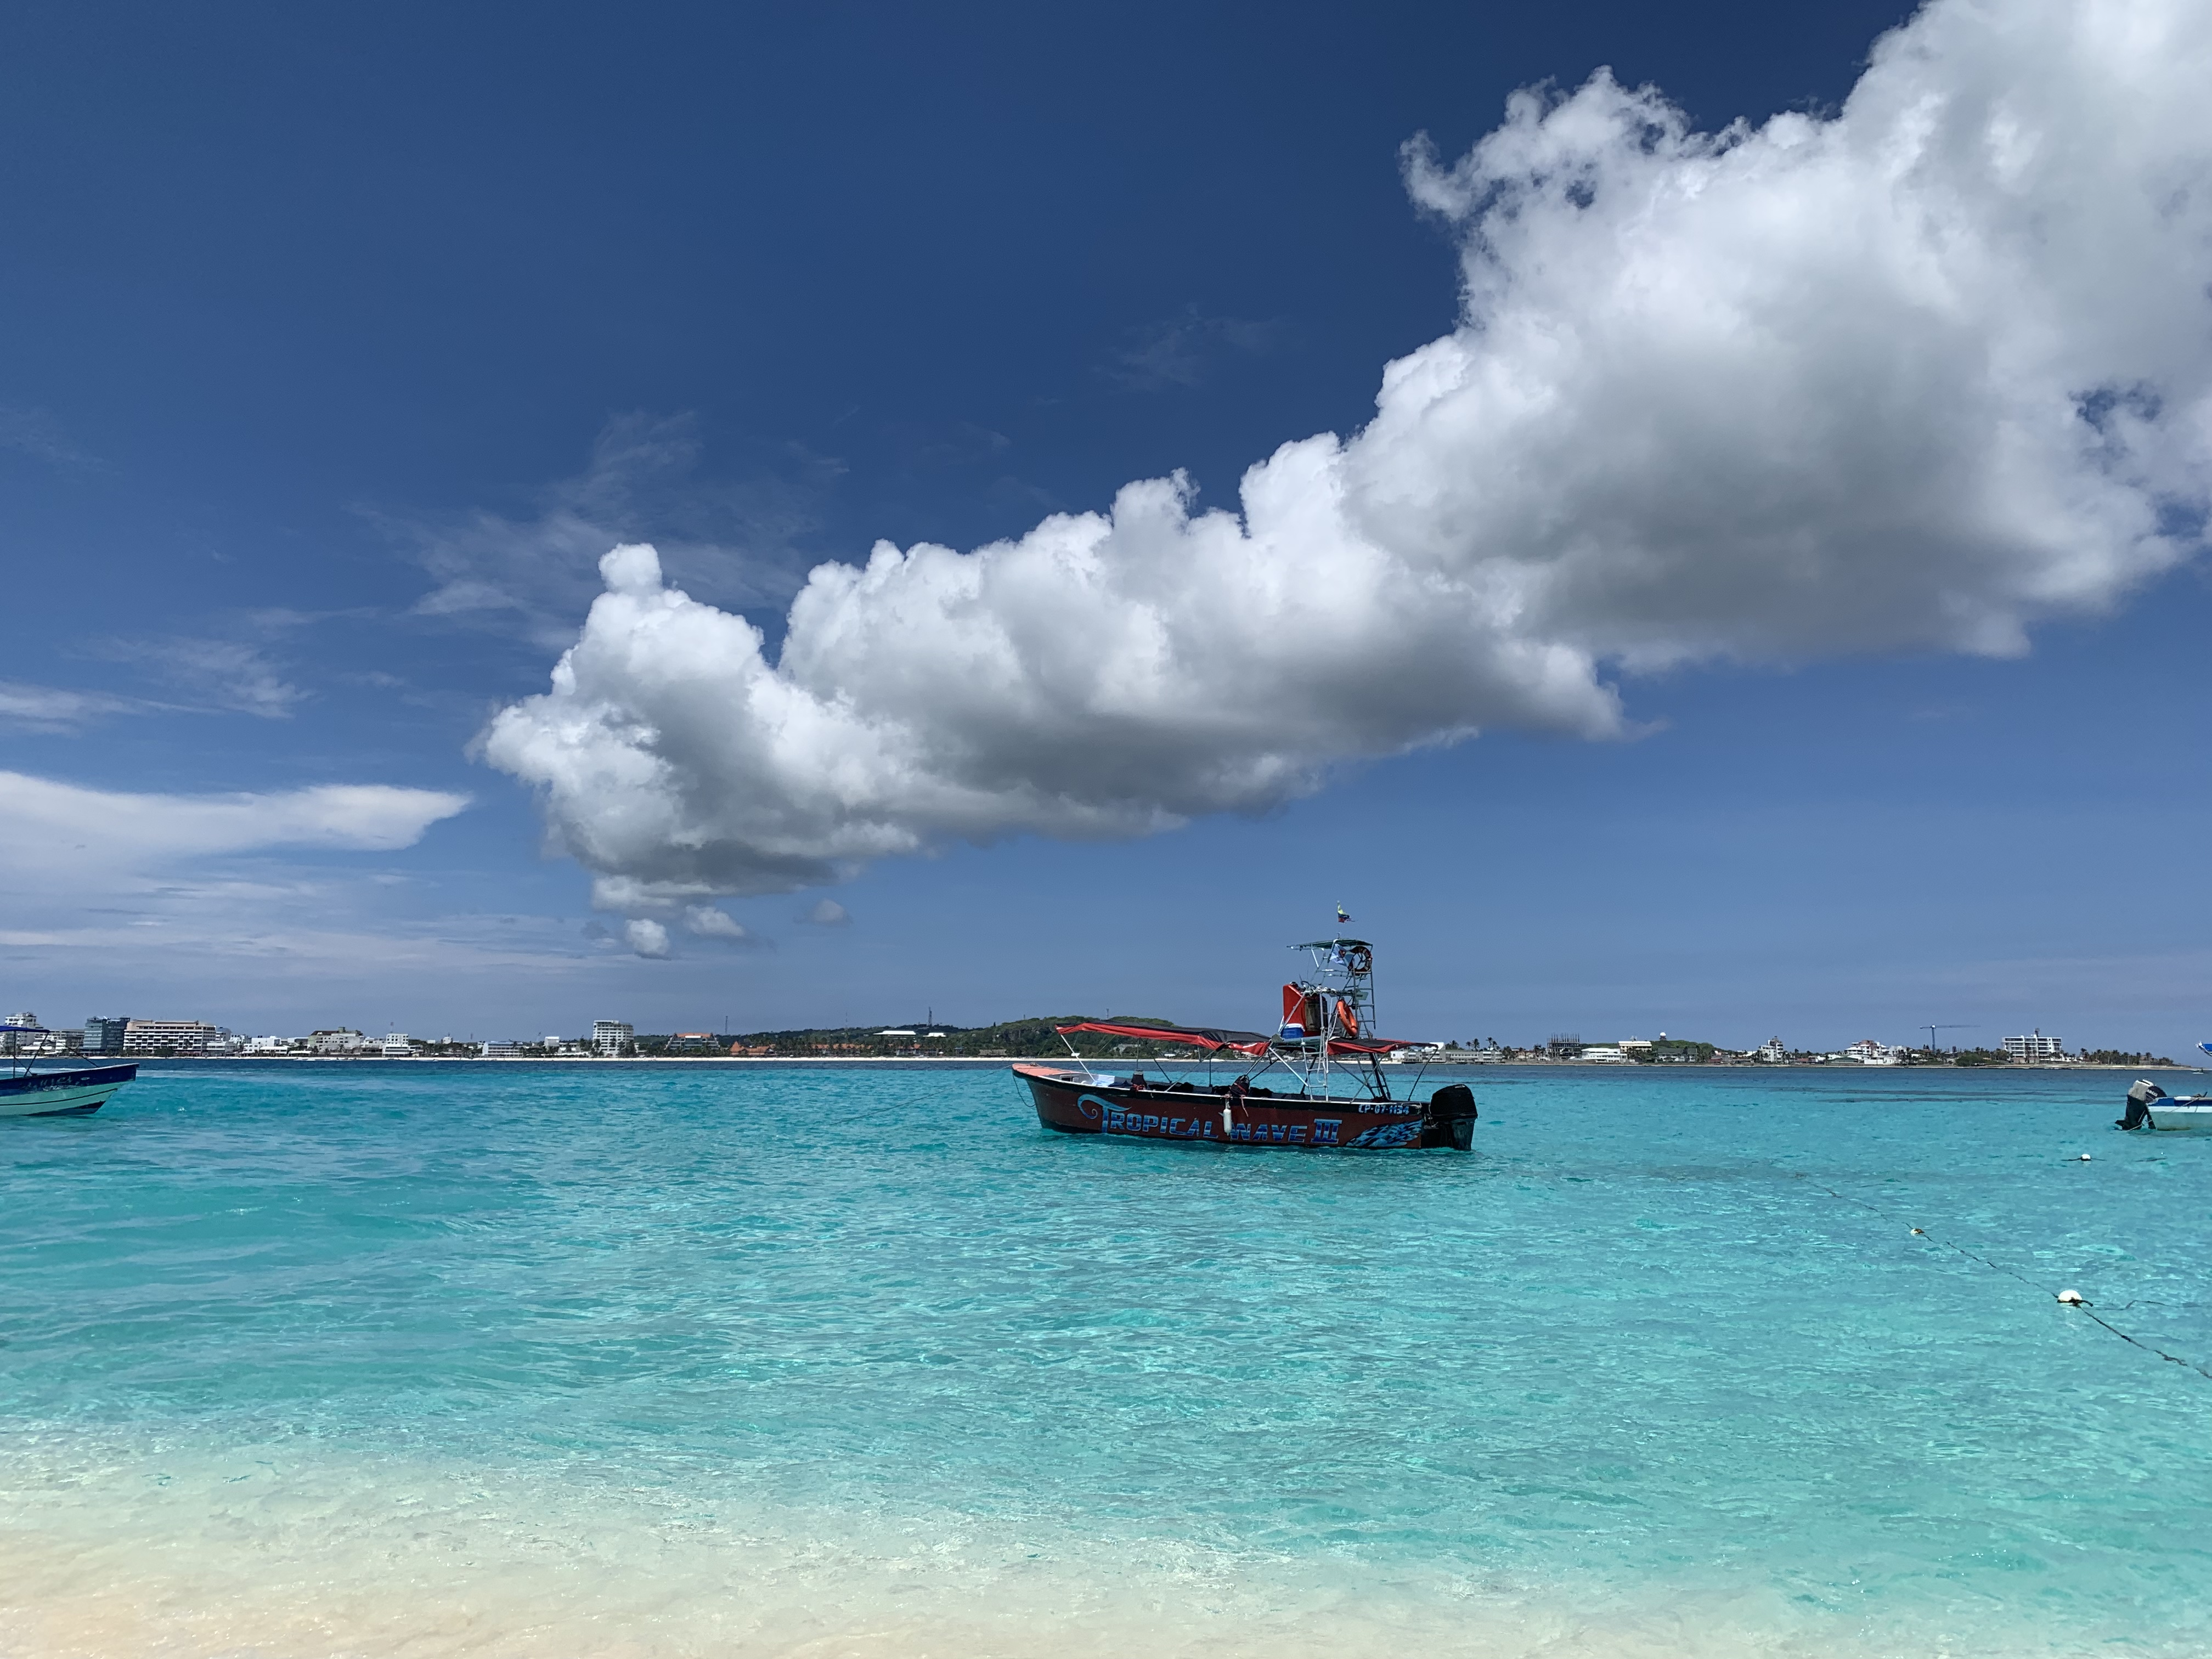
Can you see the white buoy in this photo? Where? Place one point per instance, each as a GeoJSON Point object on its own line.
{"type": "Point", "coordinates": [2084, 1157]}
{"type": "Point", "coordinates": [2071, 1298]}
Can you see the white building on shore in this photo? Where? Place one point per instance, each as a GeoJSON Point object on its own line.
{"type": "Point", "coordinates": [37, 1040]}
{"type": "Point", "coordinates": [1867, 1052]}
{"type": "Point", "coordinates": [2034, 1050]}
{"type": "Point", "coordinates": [175, 1037]}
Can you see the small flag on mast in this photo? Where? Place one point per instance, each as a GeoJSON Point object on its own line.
{"type": "Point", "coordinates": [1343, 914]}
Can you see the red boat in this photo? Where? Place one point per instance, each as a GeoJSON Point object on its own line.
{"type": "Point", "coordinates": [1316, 1082]}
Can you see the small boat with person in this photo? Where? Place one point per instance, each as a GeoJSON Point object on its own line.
{"type": "Point", "coordinates": [2150, 1107]}
{"type": "Point", "coordinates": [26, 1092]}
{"type": "Point", "coordinates": [1316, 1081]}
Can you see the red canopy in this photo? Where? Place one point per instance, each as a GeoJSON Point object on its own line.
{"type": "Point", "coordinates": [1244, 1043]}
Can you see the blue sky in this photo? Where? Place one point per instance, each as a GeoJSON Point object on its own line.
{"type": "Point", "coordinates": [341, 347]}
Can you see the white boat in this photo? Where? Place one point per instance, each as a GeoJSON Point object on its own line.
{"type": "Point", "coordinates": [27, 1092]}
{"type": "Point", "coordinates": [2150, 1107]}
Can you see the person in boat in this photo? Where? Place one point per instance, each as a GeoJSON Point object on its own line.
{"type": "Point", "coordinates": [2139, 1099]}
{"type": "Point", "coordinates": [1231, 1100]}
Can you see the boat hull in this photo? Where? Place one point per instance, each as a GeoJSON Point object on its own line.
{"type": "Point", "coordinates": [2190, 1112]}
{"type": "Point", "coordinates": [1076, 1102]}
{"type": "Point", "coordinates": [61, 1094]}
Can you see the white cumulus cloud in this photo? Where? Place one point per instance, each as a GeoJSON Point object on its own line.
{"type": "Point", "coordinates": [1913, 377]}
{"type": "Point", "coordinates": [645, 937]}
{"type": "Point", "coordinates": [707, 922]}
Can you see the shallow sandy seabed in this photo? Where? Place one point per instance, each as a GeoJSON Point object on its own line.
{"type": "Point", "coordinates": [263, 1553]}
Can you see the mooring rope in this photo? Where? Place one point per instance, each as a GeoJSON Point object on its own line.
{"type": "Point", "coordinates": [2064, 1298]}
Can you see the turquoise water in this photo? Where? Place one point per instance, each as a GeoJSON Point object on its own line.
{"type": "Point", "coordinates": [438, 1358]}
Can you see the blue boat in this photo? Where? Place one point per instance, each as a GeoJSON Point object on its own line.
{"type": "Point", "coordinates": [26, 1091]}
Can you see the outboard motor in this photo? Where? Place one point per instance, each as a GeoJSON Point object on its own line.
{"type": "Point", "coordinates": [2139, 1099]}
{"type": "Point", "coordinates": [1451, 1117]}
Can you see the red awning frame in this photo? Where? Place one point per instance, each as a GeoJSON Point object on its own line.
{"type": "Point", "coordinates": [1242, 1043]}
{"type": "Point", "coordinates": [1255, 1045]}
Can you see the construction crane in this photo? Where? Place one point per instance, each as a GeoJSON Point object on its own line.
{"type": "Point", "coordinates": [1932, 1030]}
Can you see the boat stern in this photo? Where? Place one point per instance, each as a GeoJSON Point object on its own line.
{"type": "Point", "coordinates": [1450, 1118]}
